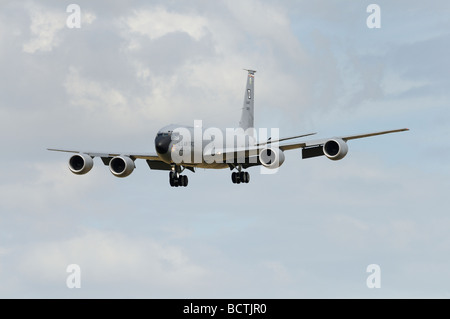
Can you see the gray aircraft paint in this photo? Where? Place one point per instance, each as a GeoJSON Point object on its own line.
{"type": "Point", "coordinates": [183, 146]}
{"type": "Point", "coordinates": [247, 117]}
{"type": "Point", "coordinates": [186, 143]}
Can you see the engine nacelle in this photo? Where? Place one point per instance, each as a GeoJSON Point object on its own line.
{"type": "Point", "coordinates": [335, 149]}
{"type": "Point", "coordinates": [121, 166]}
{"type": "Point", "coordinates": [80, 163]}
{"type": "Point", "coordinates": [271, 157]}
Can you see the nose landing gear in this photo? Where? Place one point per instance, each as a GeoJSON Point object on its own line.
{"type": "Point", "coordinates": [176, 179]}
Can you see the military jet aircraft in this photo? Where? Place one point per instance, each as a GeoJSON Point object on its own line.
{"type": "Point", "coordinates": [180, 147]}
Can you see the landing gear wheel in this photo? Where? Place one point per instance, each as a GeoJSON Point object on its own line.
{"type": "Point", "coordinates": [176, 181]}
{"type": "Point", "coordinates": [233, 177]}
{"type": "Point", "coordinates": [183, 180]}
{"type": "Point", "coordinates": [173, 180]}
{"type": "Point", "coordinates": [240, 177]}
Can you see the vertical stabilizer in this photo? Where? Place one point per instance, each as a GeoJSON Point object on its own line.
{"type": "Point", "coordinates": [247, 118]}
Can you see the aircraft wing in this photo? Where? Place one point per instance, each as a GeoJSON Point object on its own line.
{"type": "Point", "coordinates": [240, 154]}
{"type": "Point", "coordinates": [248, 156]}
{"type": "Point", "coordinates": [149, 156]}
{"type": "Point", "coordinates": [153, 160]}
{"type": "Point", "coordinates": [292, 146]}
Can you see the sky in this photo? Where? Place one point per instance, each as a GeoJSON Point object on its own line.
{"type": "Point", "coordinates": [308, 231]}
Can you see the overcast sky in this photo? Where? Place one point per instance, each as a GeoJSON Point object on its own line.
{"type": "Point", "coordinates": [308, 231]}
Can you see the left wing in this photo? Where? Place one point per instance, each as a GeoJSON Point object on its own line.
{"type": "Point", "coordinates": [284, 139]}
{"type": "Point", "coordinates": [292, 146]}
{"type": "Point", "coordinates": [310, 148]}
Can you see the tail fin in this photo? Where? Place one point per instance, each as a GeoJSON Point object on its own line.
{"type": "Point", "coordinates": [247, 117]}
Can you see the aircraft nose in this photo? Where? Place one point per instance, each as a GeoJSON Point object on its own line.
{"type": "Point", "coordinates": [162, 144]}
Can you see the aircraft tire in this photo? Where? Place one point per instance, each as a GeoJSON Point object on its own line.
{"type": "Point", "coordinates": [184, 180]}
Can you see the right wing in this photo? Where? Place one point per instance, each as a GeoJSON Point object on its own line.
{"type": "Point", "coordinates": [149, 156]}
{"type": "Point", "coordinates": [153, 160]}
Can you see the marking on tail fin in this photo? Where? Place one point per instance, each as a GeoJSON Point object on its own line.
{"type": "Point", "coordinates": [247, 116]}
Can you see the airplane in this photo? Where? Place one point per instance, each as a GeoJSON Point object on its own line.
{"type": "Point", "coordinates": [180, 147]}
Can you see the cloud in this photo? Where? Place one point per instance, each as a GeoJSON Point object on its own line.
{"type": "Point", "coordinates": [280, 272]}
{"type": "Point", "coordinates": [46, 26]}
{"type": "Point", "coordinates": [94, 96]}
{"type": "Point", "coordinates": [109, 259]}
{"type": "Point", "coordinates": [158, 22]}
{"type": "Point", "coordinates": [309, 230]}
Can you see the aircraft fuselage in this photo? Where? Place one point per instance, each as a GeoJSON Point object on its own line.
{"type": "Point", "coordinates": [198, 147]}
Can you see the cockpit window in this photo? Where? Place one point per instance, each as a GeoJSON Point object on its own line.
{"type": "Point", "coordinates": [163, 134]}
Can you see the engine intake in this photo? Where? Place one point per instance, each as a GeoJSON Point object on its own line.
{"type": "Point", "coordinates": [271, 157]}
{"type": "Point", "coordinates": [80, 163]}
{"type": "Point", "coordinates": [335, 149]}
{"type": "Point", "coordinates": [121, 166]}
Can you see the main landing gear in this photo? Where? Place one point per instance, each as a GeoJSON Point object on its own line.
{"type": "Point", "coordinates": [176, 179]}
{"type": "Point", "coordinates": [240, 176]}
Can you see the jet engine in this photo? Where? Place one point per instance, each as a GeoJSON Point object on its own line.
{"type": "Point", "coordinates": [121, 166]}
{"type": "Point", "coordinates": [335, 149]}
{"type": "Point", "coordinates": [80, 163]}
{"type": "Point", "coordinates": [271, 157]}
